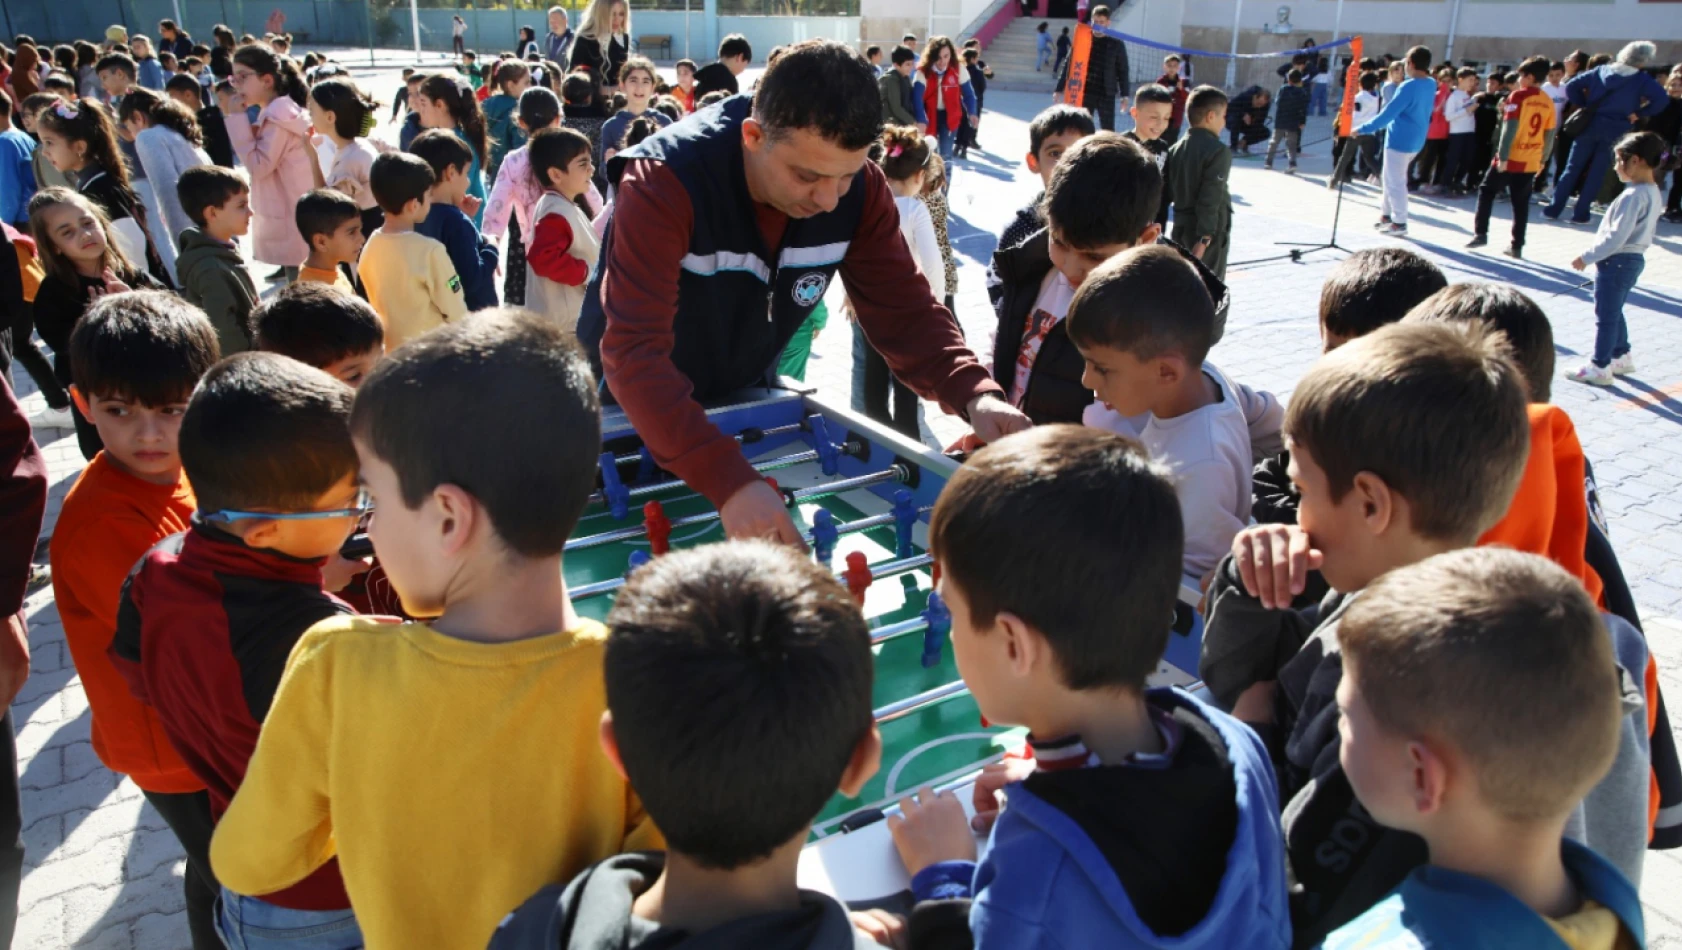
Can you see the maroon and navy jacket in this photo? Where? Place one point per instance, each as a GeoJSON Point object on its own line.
{"type": "Point", "coordinates": [204, 629]}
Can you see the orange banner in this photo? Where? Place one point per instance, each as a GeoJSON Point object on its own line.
{"type": "Point", "coordinates": [1351, 85]}
{"type": "Point", "coordinates": [1079, 57]}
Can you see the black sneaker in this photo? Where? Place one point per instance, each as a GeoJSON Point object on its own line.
{"type": "Point", "coordinates": [1478, 240]}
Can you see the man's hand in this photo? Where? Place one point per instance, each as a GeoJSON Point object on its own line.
{"type": "Point", "coordinates": [758, 511]}
{"type": "Point", "coordinates": [989, 783]}
{"type": "Point", "coordinates": [992, 418]}
{"type": "Point", "coordinates": [887, 929]}
{"type": "Point", "coordinates": [930, 829]}
{"type": "Point", "coordinates": [14, 658]}
{"type": "Point", "coordinates": [1274, 561]}
{"type": "Point", "coordinates": [1577, 263]}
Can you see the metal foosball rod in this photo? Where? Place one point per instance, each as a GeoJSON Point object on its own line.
{"type": "Point", "coordinates": [745, 437]}
{"type": "Point", "coordinates": [636, 531]}
{"type": "Point", "coordinates": [878, 571]}
{"type": "Point", "coordinates": [923, 700]}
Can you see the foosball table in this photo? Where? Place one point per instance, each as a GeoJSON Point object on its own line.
{"type": "Point", "coordinates": [862, 495]}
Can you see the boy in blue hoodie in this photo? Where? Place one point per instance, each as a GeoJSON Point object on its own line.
{"type": "Point", "coordinates": [1407, 115]}
{"type": "Point", "coordinates": [1481, 702]}
{"type": "Point", "coordinates": [1147, 817]}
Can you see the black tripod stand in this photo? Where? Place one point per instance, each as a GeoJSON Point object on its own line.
{"type": "Point", "coordinates": [1299, 248]}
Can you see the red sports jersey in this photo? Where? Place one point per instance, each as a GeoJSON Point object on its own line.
{"type": "Point", "coordinates": [1527, 121]}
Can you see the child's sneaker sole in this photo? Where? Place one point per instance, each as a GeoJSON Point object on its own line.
{"type": "Point", "coordinates": [1590, 374]}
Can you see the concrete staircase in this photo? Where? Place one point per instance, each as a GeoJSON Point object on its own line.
{"type": "Point", "coordinates": [1012, 53]}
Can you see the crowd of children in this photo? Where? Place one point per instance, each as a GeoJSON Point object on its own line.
{"type": "Point", "coordinates": [1429, 715]}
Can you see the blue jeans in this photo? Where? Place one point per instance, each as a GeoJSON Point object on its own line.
{"type": "Point", "coordinates": [1317, 97]}
{"type": "Point", "coordinates": [1614, 278]}
{"type": "Point", "coordinates": [947, 137]}
{"type": "Point", "coordinates": [1591, 156]}
{"type": "Point", "coordinates": [250, 923]}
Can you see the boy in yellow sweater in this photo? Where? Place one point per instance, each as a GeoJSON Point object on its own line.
{"type": "Point", "coordinates": [452, 765]}
{"type": "Point", "coordinates": [409, 277]}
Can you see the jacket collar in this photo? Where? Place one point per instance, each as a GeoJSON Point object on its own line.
{"type": "Point", "coordinates": [226, 553]}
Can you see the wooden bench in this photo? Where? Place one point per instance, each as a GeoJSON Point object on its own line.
{"type": "Point", "coordinates": [662, 41]}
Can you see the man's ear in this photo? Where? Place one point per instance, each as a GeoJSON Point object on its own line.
{"type": "Point", "coordinates": [863, 764]}
{"type": "Point", "coordinates": [753, 135]}
{"type": "Point", "coordinates": [1381, 507]}
{"type": "Point", "coordinates": [610, 744]}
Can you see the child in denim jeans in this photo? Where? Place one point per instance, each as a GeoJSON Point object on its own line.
{"type": "Point", "coordinates": [1618, 255]}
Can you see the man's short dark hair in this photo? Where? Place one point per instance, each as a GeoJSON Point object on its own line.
{"type": "Point", "coordinates": [825, 88]}
{"type": "Point", "coordinates": [208, 186]}
{"type": "Point", "coordinates": [317, 324]}
{"type": "Point", "coordinates": [1504, 308]}
{"type": "Point", "coordinates": [1146, 302]}
{"type": "Point", "coordinates": [145, 346]}
{"type": "Point", "coordinates": [185, 82]}
{"type": "Point", "coordinates": [120, 61]}
{"type": "Point", "coordinates": [739, 679]}
{"type": "Point", "coordinates": [1151, 92]}
{"type": "Point", "coordinates": [264, 431]}
{"type": "Point", "coordinates": [1374, 287]}
{"type": "Point", "coordinates": [1419, 58]}
{"type": "Point", "coordinates": [398, 178]}
{"type": "Point", "coordinates": [435, 410]}
{"type": "Point", "coordinates": [903, 54]}
{"type": "Point", "coordinates": [1055, 120]}
{"type": "Point", "coordinates": [1202, 101]}
{"type": "Point", "coordinates": [1294, 76]}
{"type": "Point", "coordinates": [734, 45]}
{"type": "Point", "coordinates": [1096, 537]}
{"type": "Point", "coordinates": [442, 149]}
{"type": "Point", "coordinates": [323, 211]}
{"type": "Point", "coordinates": [1438, 412]}
{"type": "Point", "coordinates": [1105, 190]}
{"type": "Point", "coordinates": [1537, 68]}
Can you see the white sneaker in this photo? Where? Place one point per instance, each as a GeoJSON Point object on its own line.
{"type": "Point", "coordinates": [50, 418]}
{"type": "Point", "coordinates": [1591, 374]}
{"type": "Point", "coordinates": [1622, 365]}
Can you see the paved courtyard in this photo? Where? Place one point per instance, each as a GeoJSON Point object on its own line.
{"type": "Point", "coordinates": [104, 871]}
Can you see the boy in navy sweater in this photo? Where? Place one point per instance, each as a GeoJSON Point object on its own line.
{"type": "Point", "coordinates": [1288, 117]}
{"type": "Point", "coordinates": [475, 257]}
{"type": "Point", "coordinates": [1147, 818]}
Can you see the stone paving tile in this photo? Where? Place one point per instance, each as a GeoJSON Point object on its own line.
{"type": "Point", "coordinates": [104, 872]}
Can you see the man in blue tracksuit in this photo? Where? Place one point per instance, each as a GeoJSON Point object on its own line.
{"type": "Point", "coordinates": [1408, 116]}
{"type": "Point", "coordinates": [1620, 93]}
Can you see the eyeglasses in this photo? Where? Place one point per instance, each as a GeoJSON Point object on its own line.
{"type": "Point", "coordinates": [362, 507]}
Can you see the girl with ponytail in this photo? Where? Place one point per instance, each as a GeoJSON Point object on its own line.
{"type": "Point", "coordinates": [344, 116]}
{"type": "Point", "coordinates": [446, 103]}
{"type": "Point", "coordinates": [167, 141]}
{"type": "Point", "coordinates": [81, 142]}
{"type": "Point", "coordinates": [275, 150]}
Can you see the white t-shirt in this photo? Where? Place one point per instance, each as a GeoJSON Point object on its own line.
{"type": "Point", "coordinates": [1051, 306]}
{"type": "Point", "coordinates": [1461, 110]}
{"type": "Point", "coordinates": [1366, 106]}
{"type": "Point", "coordinates": [917, 226]}
{"type": "Point", "coordinates": [458, 28]}
{"type": "Point", "coordinates": [1556, 92]}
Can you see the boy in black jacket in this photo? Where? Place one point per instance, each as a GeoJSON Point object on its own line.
{"type": "Point", "coordinates": [1288, 118]}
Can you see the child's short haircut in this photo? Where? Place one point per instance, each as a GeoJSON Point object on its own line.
{"type": "Point", "coordinates": [1202, 101]}
{"type": "Point", "coordinates": [1504, 308]}
{"type": "Point", "coordinates": [642, 63]}
{"type": "Point", "coordinates": [1294, 76]}
{"type": "Point", "coordinates": [578, 88]}
{"type": "Point", "coordinates": [510, 71]}
{"type": "Point", "coordinates": [398, 178]}
{"type": "Point", "coordinates": [1151, 92]}
{"type": "Point", "coordinates": [121, 61]}
{"type": "Point", "coordinates": [1419, 58]}
{"type": "Point", "coordinates": [1105, 190]}
{"type": "Point", "coordinates": [1095, 535]}
{"type": "Point", "coordinates": [555, 149]}
{"type": "Point", "coordinates": [59, 84]}
{"type": "Point", "coordinates": [145, 346]}
{"type": "Point", "coordinates": [266, 432]}
{"type": "Point", "coordinates": [407, 72]}
{"type": "Point", "coordinates": [1146, 302]}
{"type": "Point", "coordinates": [184, 82]}
{"type": "Point", "coordinates": [1536, 67]}
{"type": "Point", "coordinates": [903, 54]}
{"type": "Point", "coordinates": [684, 64]}
{"type": "Point", "coordinates": [1375, 287]}
{"type": "Point", "coordinates": [1052, 121]}
{"type": "Point", "coordinates": [1465, 72]}
{"type": "Point", "coordinates": [208, 186]}
{"type": "Point", "coordinates": [442, 149]}
{"type": "Point", "coordinates": [1370, 80]}
{"type": "Point", "coordinates": [1502, 655]}
{"type": "Point", "coordinates": [712, 98]}
{"type": "Point", "coordinates": [426, 411]}
{"type": "Point", "coordinates": [323, 211]}
{"type": "Point", "coordinates": [538, 109]}
{"type": "Point", "coordinates": [1438, 412]}
{"type": "Point", "coordinates": [872, 51]}
{"type": "Point", "coordinates": [739, 679]}
{"type": "Point", "coordinates": [734, 45]}
{"type": "Point", "coordinates": [469, 55]}
{"type": "Point", "coordinates": [317, 324]}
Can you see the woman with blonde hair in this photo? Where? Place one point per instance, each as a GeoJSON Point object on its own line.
{"type": "Point", "coordinates": [604, 40]}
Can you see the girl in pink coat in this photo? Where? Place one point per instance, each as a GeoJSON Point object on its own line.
{"type": "Point", "coordinates": [275, 151]}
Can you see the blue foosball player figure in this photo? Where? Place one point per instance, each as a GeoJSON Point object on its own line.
{"type": "Point", "coordinates": [636, 560]}
{"type": "Point", "coordinates": [905, 517]}
{"type": "Point", "coordinates": [939, 618]}
{"type": "Point", "coordinates": [825, 535]}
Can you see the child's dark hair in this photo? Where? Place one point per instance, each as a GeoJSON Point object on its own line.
{"type": "Point", "coordinates": [903, 54]}
{"type": "Point", "coordinates": [1146, 302]}
{"type": "Point", "coordinates": [1294, 77]}
{"type": "Point", "coordinates": [640, 129]}
{"type": "Point", "coordinates": [354, 115]}
{"type": "Point", "coordinates": [1106, 190]}
{"type": "Point", "coordinates": [264, 431]}
{"type": "Point", "coordinates": [264, 61]}
{"type": "Point", "coordinates": [121, 61]}
{"type": "Point", "coordinates": [1374, 287]}
{"type": "Point", "coordinates": [903, 152]}
{"type": "Point", "coordinates": [1648, 147]}
{"type": "Point", "coordinates": [1371, 80]}
{"type": "Point", "coordinates": [1465, 72]}
{"type": "Point", "coordinates": [182, 82]}
{"type": "Point", "coordinates": [822, 87]}
{"type": "Point", "coordinates": [711, 98]}
{"type": "Point", "coordinates": [160, 111]}
{"type": "Point", "coordinates": [1536, 67]}
{"type": "Point", "coordinates": [1151, 92]}
{"type": "Point", "coordinates": [1500, 307]}
{"type": "Point", "coordinates": [739, 679]}
{"type": "Point", "coordinates": [316, 323]}
{"type": "Point", "coordinates": [734, 45]}
{"type": "Point", "coordinates": [510, 71]}
{"type": "Point", "coordinates": [322, 211]}
{"type": "Point", "coordinates": [872, 51]}
{"type": "Point", "coordinates": [1202, 101]}
{"type": "Point", "coordinates": [457, 98]}
{"type": "Point", "coordinates": [555, 149]}
{"type": "Point", "coordinates": [86, 120]}
{"type": "Point", "coordinates": [1056, 120]}
{"type": "Point", "coordinates": [1094, 505]}
{"type": "Point", "coordinates": [1419, 58]}
{"type": "Point", "coordinates": [206, 186]}
{"type": "Point", "coordinates": [87, 54]}
{"type": "Point", "coordinates": [442, 149]}
{"type": "Point", "coordinates": [35, 103]}
{"type": "Point", "coordinates": [398, 178]}
{"type": "Point", "coordinates": [683, 64]}
{"type": "Point", "coordinates": [538, 109]}
{"type": "Point", "coordinates": [578, 88]}
{"type": "Point", "coordinates": [145, 346]}
{"type": "Point", "coordinates": [426, 411]}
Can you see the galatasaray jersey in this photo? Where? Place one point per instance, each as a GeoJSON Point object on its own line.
{"type": "Point", "coordinates": [1527, 125]}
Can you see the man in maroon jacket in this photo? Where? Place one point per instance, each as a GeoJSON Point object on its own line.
{"type": "Point", "coordinates": [736, 221]}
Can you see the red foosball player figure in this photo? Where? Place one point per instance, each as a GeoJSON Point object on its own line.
{"type": "Point", "coordinates": [659, 528]}
{"type": "Point", "coordinates": [858, 575]}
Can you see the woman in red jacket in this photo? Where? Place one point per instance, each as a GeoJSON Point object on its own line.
{"type": "Point", "coordinates": [941, 93]}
